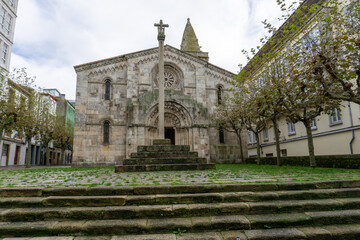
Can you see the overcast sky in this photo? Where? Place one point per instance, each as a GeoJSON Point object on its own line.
{"type": "Point", "coordinates": [51, 36]}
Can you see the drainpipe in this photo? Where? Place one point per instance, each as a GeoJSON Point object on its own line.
{"type": "Point", "coordinates": [352, 130]}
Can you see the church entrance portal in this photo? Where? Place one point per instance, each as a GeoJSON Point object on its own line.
{"type": "Point", "coordinates": [170, 134]}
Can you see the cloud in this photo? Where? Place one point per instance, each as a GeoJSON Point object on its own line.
{"type": "Point", "coordinates": [53, 36]}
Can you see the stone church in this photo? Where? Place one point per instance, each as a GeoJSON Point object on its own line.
{"type": "Point", "coordinates": [117, 109]}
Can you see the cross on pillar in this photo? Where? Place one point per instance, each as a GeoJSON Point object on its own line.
{"type": "Point", "coordinates": [161, 30]}
{"type": "Point", "coordinates": [161, 38]}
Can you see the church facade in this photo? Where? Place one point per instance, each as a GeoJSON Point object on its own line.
{"type": "Point", "coordinates": [117, 109]}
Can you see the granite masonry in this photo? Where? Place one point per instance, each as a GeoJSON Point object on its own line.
{"type": "Point", "coordinates": [117, 109]}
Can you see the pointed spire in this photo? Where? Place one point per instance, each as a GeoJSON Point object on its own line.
{"type": "Point", "coordinates": [190, 43]}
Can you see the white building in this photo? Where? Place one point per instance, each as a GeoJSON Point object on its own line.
{"type": "Point", "coordinates": [8, 16]}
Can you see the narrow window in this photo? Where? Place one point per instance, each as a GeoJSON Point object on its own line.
{"type": "Point", "coordinates": [266, 134]}
{"type": "Point", "coordinates": [4, 53]}
{"type": "Point", "coordinates": [249, 140]}
{"type": "Point", "coordinates": [2, 17]}
{"type": "Point", "coordinates": [313, 124]}
{"type": "Point", "coordinates": [8, 24]}
{"type": "Point", "coordinates": [107, 90]}
{"type": "Point", "coordinates": [219, 94]}
{"type": "Point", "coordinates": [221, 135]}
{"type": "Point", "coordinates": [291, 128]}
{"type": "Point", "coordinates": [106, 132]}
{"type": "Point", "coordinates": [335, 117]}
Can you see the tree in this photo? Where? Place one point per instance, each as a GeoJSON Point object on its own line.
{"type": "Point", "coordinates": [272, 100]}
{"type": "Point", "coordinates": [229, 116]}
{"type": "Point", "coordinates": [337, 51]}
{"type": "Point", "coordinates": [7, 105]}
{"type": "Point", "coordinates": [301, 43]}
{"type": "Point", "coordinates": [27, 111]}
{"type": "Point", "coordinates": [46, 124]}
{"type": "Point", "coordinates": [63, 136]}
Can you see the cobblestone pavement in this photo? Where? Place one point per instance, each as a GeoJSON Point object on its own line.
{"type": "Point", "coordinates": [105, 176]}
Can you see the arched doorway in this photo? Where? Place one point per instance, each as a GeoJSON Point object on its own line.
{"type": "Point", "coordinates": [177, 123]}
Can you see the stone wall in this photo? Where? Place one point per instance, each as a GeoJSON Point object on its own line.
{"type": "Point", "coordinates": [131, 109]}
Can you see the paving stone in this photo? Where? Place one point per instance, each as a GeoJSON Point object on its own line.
{"type": "Point", "coordinates": [233, 208]}
{"type": "Point", "coordinates": [201, 223]}
{"type": "Point", "coordinates": [68, 227]}
{"type": "Point", "coordinates": [115, 227]}
{"type": "Point", "coordinates": [315, 233]}
{"type": "Point", "coordinates": [200, 236]}
{"type": "Point", "coordinates": [146, 237]}
{"type": "Point", "coordinates": [275, 234]}
{"type": "Point", "coordinates": [204, 209]}
{"type": "Point", "coordinates": [230, 222]}
{"type": "Point", "coordinates": [89, 201]}
{"type": "Point", "coordinates": [42, 238]}
{"type": "Point", "coordinates": [26, 228]}
{"type": "Point", "coordinates": [232, 235]}
{"type": "Point", "coordinates": [278, 220]}
{"type": "Point", "coordinates": [93, 238]}
{"type": "Point", "coordinates": [294, 205]}
{"type": "Point", "coordinates": [335, 217]}
{"type": "Point", "coordinates": [344, 232]}
{"type": "Point", "coordinates": [168, 225]}
{"type": "Point", "coordinates": [349, 202]}
{"type": "Point", "coordinates": [21, 192]}
{"type": "Point", "coordinates": [21, 202]}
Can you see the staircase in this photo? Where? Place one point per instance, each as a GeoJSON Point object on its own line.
{"type": "Point", "coordinates": [320, 210]}
{"type": "Point", "coordinates": [162, 156]}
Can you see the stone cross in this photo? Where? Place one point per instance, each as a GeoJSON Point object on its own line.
{"type": "Point", "coordinates": [161, 37]}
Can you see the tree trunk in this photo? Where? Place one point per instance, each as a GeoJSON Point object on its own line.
{"type": "Point", "coordinates": [310, 144]}
{"type": "Point", "coordinates": [258, 148]}
{"type": "Point", "coordinates": [47, 152]}
{"type": "Point", "coordinates": [238, 134]}
{"type": "Point", "coordinates": [28, 153]}
{"type": "Point", "coordinates": [277, 142]}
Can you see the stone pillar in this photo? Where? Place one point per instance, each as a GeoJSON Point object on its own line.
{"type": "Point", "coordinates": [161, 133]}
{"type": "Point", "coordinates": [161, 38]}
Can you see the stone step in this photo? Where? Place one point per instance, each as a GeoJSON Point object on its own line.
{"type": "Point", "coordinates": [164, 167]}
{"type": "Point", "coordinates": [181, 154]}
{"type": "Point", "coordinates": [340, 231]}
{"type": "Point", "coordinates": [149, 161]}
{"type": "Point", "coordinates": [169, 225]}
{"type": "Point", "coordinates": [162, 141]}
{"type": "Point", "coordinates": [164, 148]}
{"type": "Point", "coordinates": [161, 199]}
{"type": "Point", "coordinates": [173, 211]}
{"type": "Point", "coordinates": [251, 189]}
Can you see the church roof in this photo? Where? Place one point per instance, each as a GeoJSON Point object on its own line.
{"type": "Point", "coordinates": [189, 40]}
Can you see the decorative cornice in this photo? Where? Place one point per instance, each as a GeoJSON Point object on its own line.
{"type": "Point", "coordinates": [152, 51]}
{"type": "Point", "coordinates": [100, 63]}
{"type": "Point", "coordinates": [217, 75]}
{"type": "Point", "coordinates": [104, 70]}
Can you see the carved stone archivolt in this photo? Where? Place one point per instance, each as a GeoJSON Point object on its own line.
{"type": "Point", "coordinates": [175, 116]}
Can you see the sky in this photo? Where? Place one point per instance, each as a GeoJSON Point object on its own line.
{"type": "Point", "coordinates": [52, 36]}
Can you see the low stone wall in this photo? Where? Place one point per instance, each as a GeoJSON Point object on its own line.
{"type": "Point", "coordinates": [225, 153]}
{"type": "Point", "coordinates": [328, 161]}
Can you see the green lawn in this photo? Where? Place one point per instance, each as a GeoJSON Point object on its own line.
{"type": "Point", "coordinates": [225, 173]}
